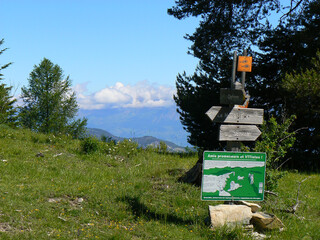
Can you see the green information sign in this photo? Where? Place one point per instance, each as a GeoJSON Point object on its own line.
{"type": "Point", "coordinates": [233, 176]}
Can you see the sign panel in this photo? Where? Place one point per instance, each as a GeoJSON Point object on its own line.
{"type": "Point", "coordinates": [233, 176]}
{"type": "Point", "coordinates": [239, 133]}
{"type": "Point", "coordinates": [235, 115]}
{"type": "Point", "coordinates": [231, 96]}
{"type": "Point", "coordinates": [244, 64]}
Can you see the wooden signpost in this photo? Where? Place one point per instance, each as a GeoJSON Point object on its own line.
{"type": "Point", "coordinates": [235, 115]}
{"type": "Point", "coordinates": [230, 116]}
{"type": "Point", "coordinates": [233, 175]}
{"type": "Point", "coordinates": [231, 96]}
{"type": "Point", "coordinates": [239, 133]}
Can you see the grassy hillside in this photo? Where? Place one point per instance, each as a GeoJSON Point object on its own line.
{"type": "Point", "coordinates": [50, 189]}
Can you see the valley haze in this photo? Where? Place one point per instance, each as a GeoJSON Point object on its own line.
{"type": "Point", "coordinates": [162, 123]}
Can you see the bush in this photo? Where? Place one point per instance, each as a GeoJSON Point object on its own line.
{"type": "Point", "coordinates": [162, 147]}
{"type": "Point", "coordinates": [275, 141]}
{"type": "Point", "coordinates": [90, 145]}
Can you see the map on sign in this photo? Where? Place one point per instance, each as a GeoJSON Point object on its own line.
{"type": "Point", "coordinates": [233, 176]}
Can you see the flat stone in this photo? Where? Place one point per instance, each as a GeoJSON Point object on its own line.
{"type": "Point", "coordinates": [266, 221]}
{"type": "Point", "coordinates": [229, 215]}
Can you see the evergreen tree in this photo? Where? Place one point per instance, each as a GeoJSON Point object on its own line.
{"type": "Point", "coordinates": [303, 95]}
{"type": "Point", "coordinates": [277, 49]}
{"type": "Point", "coordinates": [7, 109]}
{"type": "Point", "coordinates": [50, 105]}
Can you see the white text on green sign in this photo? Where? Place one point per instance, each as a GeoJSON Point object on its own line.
{"type": "Point", "coordinates": [233, 176]}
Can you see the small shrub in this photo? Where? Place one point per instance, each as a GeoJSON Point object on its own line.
{"type": "Point", "coordinates": [107, 139]}
{"type": "Point", "coordinates": [162, 147]}
{"type": "Point", "coordinates": [90, 145]}
{"type": "Point", "coordinates": [275, 141]}
{"type": "Point", "coordinates": [35, 139]}
{"type": "Point", "coordinates": [127, 148]}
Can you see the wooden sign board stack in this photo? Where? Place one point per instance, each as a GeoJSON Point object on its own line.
{"type": "Point", "coordinates": [238, 123]}
{"type": "Point", "coordinates": [231, 175]}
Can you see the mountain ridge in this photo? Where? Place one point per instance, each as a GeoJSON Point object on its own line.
{"type": "Point", "coordinates": [143, 142]}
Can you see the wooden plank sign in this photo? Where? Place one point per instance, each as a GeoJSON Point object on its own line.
{"type": "Point", "coordinates": [244, 64]}
{"type": "Point", "coordinates": [231, 96]}
{"type": "Point", "coordinates": [235, 115]}
{"type": "Point", "coordinates": [239, 133]}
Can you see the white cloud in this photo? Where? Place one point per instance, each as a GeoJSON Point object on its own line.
{"type": "Point", "coordinates": [142, 94]}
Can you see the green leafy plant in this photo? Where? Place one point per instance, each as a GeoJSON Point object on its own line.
{"type": "Point", "coordinates": [162, 147]}
{"type": "Point", "coordinates": [90, 145]}
{"type": "Point", "coordinates": [276, 140]}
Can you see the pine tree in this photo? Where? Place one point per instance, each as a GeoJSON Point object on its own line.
{"type": "Point", "coordinates": [7, 109]}
{"type": "Point", "coordinates": [50, 105]}
{"type": "Point", "coordinates": [228, 26]}
{"type": "Point", "coordinates": [277, 48]}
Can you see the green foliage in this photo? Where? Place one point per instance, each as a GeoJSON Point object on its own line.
{"type": "Point", "coordinates": [272, 179]}
{"type": "Point", "coordinates": [6, 65]}
{"type": "Point", "coordinates": [120, 150]}
{"type": "Point", "coordinates": [305, 85]}
{"type": "Point", "coordinates": [162, 148]}
{"type": "Point", "coordinates": [124, 149]}
{"type": "Point", "coordinates": [303, 97]}
{"type": "Point", "coordinates": [49, 104]}
{"type": "Point", "coordinates": [90, 145]}
{"type": "Point", "coordinates": [107, 139]}
{"type": "Point", "coordinates": [7, 109]}
{"type": "Point", "coordinates": [276, 140]}
{"type": "Point", "coordinates": [277, 49]}
{"type": "Point", "coordinates": [70, 195]}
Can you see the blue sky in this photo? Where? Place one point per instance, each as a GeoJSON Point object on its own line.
{"type": "Point", "coordinates": [96, 42]}
{"type": "Point", "coordinates": [120, 54]}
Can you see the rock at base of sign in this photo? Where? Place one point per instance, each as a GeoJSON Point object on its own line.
{"type": "Point", "coordinates": [265, 221]}
{"type": "Point", "coordinates": [254, 207]}
{"type": "Point", "coordinates": [229, 215]}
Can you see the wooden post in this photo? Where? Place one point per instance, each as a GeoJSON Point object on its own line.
{"type": "Point", "coordinates": [243, 74]}
{"type": "Point", "coordinates": [233, 146]}
{"type": "Point", "coordinates": [234, 67]}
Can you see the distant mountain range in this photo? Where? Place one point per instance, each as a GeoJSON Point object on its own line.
{"type": "Point", "coordinates": [160, 122]}
{"type": "Point", "coordinates": [142, 141]}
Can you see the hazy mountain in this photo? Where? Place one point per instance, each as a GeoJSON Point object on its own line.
{"type": "Point", "coordinates": [161, 122]}
{"type": "Point", "coordinates": [142, 141]}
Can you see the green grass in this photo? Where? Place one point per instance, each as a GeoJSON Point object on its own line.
{"type": "Point", "coordinates": [121, 192]}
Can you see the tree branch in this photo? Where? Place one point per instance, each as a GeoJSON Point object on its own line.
{"type": "Point", "coordinates": [291, 8]}
{"type": "Point", "coordinates": [294, 208]}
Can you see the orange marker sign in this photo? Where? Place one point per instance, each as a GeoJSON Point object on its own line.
{"type": "Point", "coordinates": [244, 64]}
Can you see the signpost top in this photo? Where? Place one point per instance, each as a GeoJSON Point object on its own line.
{"type": "Point", "coordinates": [244, 64]}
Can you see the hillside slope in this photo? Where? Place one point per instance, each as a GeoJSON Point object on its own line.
{"type": "Point", "coordinates": [51, 189]}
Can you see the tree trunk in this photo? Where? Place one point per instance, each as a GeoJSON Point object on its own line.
{"type": "Point", "coordinates": [194, 175]}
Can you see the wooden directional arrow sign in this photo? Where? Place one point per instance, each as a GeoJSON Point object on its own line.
{"type": "Point", "coordinates": [231, 96]}
{"type": "Point", "coordinates": [235, 115]}
{"type": "Point", "coordinates": [238, 133]}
